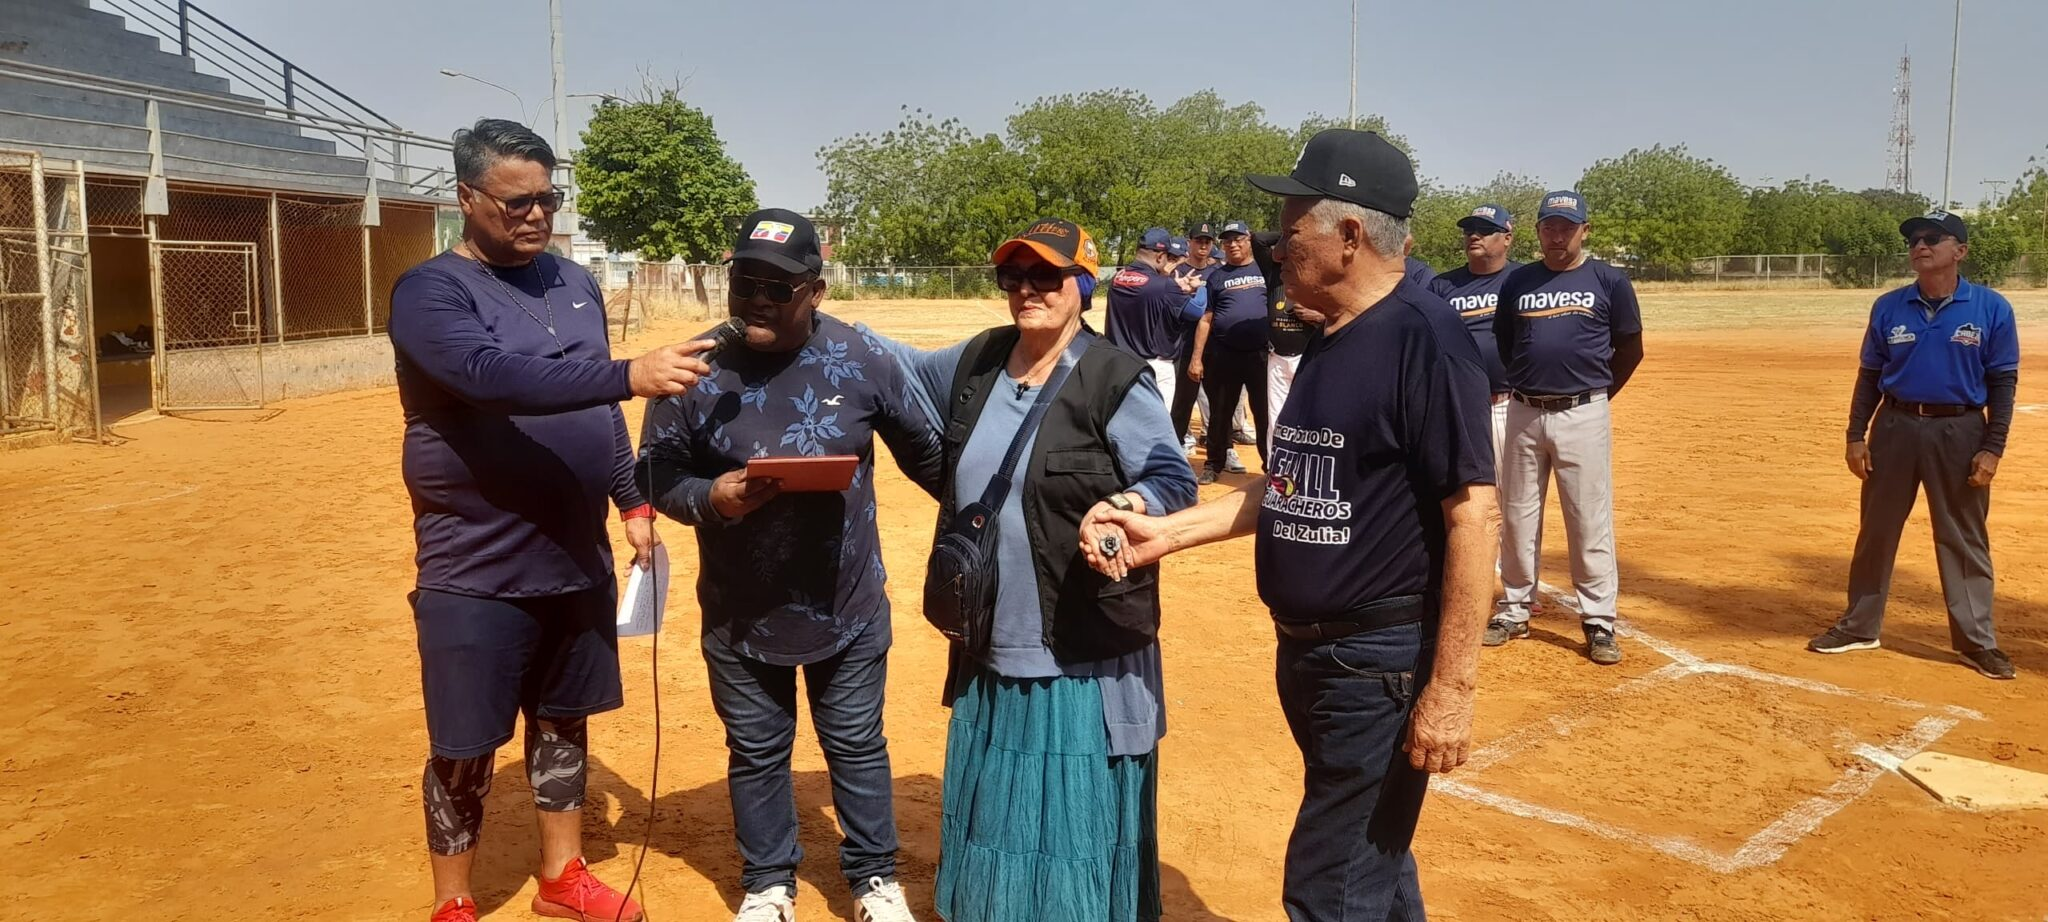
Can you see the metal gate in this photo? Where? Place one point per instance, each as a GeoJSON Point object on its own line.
{"type": "Point", "coordinates": [209, 329]}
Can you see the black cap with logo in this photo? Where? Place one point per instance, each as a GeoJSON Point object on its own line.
{"type": "Point", "coordinates": [1359, 167]}
{"type": "Point", "coordinates": [780, 238]}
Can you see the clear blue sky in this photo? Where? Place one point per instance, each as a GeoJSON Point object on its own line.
{"type": "Point", "coordinates": [1774, 89]}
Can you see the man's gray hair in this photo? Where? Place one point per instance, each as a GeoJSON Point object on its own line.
{"type": "Point", "coordinates": [480, 146]}
{"type": "Point", "coordinates": [1389, 234]}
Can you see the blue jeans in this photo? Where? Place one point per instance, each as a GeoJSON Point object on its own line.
{"type": "Point", "coordinates": [1347, 703]}
{"type": "Point", "coordinates": [757, 703]}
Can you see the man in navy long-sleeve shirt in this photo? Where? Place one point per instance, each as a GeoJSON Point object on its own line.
{"type": "Point", "coordinates": [514, 441]}
{"type": "Point", "coordinates": [789, 580]}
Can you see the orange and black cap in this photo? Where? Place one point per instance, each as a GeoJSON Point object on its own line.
{"type": "Point", "coordinates": [1062, 243]}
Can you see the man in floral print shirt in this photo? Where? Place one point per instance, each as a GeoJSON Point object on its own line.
{"type": "Point", "coordinates": [793, 580]}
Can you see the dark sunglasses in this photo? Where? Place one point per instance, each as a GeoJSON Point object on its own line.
{"type": "Point", "coordinates": [1930, 239]}
{"type": "Point", "coordinates": [744, 287]}
{"type": "Point", "coordinates": [521, 206]}
{"type": "Point", "coordinates": [1482, 231]}
{"type": "Point", "coordinates": [1043, 277]}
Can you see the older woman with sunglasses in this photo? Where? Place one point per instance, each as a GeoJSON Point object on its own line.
{"type": "Point", "coordinates": [1051, 757]}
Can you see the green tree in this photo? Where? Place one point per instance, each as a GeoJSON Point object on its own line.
{"type": "Point", "coordinates": [1994, 248]}
{"type": "Point", "coordinates": [655, 179]}
{"type": "Point", "coordinates": [1659, 207]}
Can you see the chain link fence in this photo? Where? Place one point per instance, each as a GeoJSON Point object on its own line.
{"type": "Point", "coordinates": [46, 379]}
{"type": "Point", "coordinates": [212, 216]}
{"type": "Point", "coordinates": [857, 282]}
{"type": "Point", "coordinates": [404, 238]}
{"type": "Point", "coordinates": [209, 325]}
{"type": "Point", "coordinates": [320, 269]}
{"type": "Point", "coordinates": [2030, 269]}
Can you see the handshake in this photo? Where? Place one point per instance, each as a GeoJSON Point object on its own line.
{"type": "Point", "coordinates": [1115, 542]}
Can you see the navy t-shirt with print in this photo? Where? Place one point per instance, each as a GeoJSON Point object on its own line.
{"type": "Point", "coordinates": [1389, 416]}
{"type": "Point", "coordinates": [1943, 358]}
{"type": "Point", "coordinates": [1556, 330]}
{"type": "Point", "coordinates": [1237, 308]}
{"type": "Point", "coordinates": [1475, 297]}
{"type": "Point", "coordinates": [1144, 313]}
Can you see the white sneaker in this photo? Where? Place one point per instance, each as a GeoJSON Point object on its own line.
{"type": "Point", "coordinates": [883, 903]}
{"type": "Point", "coordinates": [775, 904]}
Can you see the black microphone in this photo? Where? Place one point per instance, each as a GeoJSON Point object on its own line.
{"type": "Point", "coordinates": [730, 333]}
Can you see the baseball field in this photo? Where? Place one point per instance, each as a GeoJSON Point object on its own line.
{"type": "Point", "coordinates": [215, 710]}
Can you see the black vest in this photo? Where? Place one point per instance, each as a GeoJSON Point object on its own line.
{"type": "Point", "coordinates": [1071, 468]}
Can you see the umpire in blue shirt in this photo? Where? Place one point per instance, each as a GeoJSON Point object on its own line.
{"type": "Point", "coordinates": [1938, 354]}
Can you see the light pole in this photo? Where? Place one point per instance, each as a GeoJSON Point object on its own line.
{"type": "Point", "coordinates": [523, 118]}
{"type": "Point", "coordinates": [1354, 63]}
{"type": "Point", "coordinates": [1948, 160]}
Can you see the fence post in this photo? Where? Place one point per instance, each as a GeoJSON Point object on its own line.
{"type": "Point", "coordinates": [276, 278]}
{"type": "Point", "coordinates": [369, 297]}
{"type": "Point", "coordinates": [291, 95]}
{"type": "Point", "coordinates": [184, 28]}
{"type": "Point", "coordinates": [952, 283]}
{"type": "Point", "coordinates": [39, 205]}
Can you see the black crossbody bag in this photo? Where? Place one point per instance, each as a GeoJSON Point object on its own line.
{"type": "Point", "coordinates": [960, 588]}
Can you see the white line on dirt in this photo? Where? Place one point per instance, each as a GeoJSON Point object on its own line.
{"type": "Point", "coordinates": [176, 490]}
{"type": "Point", "coordinates": [1671, 845]}
{"type": "Point", "coordinates": [1770, 844]}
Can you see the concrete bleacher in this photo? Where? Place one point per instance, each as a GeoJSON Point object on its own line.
{"type": "Point", "coordinates": [87, 47]}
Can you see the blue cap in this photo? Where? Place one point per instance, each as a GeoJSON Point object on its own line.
{"type": "Point", "coordinates": [1236, 227]}
{"type": "Point", "coordinates": [1177, 247]}
{"type": "Point", "coordinates": [1155, 239]}
{"type": "Point", "coordinates": [1497, 216]}
{"type": "Point", "coordinates": [1216, 253]}
{"type": "Point", "coordinates": [1564, 204]}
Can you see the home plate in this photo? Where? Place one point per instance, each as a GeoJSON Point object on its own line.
{"type": "Point", "coordinates": [1974, 785]}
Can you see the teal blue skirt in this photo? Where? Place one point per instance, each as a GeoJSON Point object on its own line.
{"type": "Point", "coordinates": [1040, 823]}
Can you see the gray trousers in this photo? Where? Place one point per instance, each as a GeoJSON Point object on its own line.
{"type": "Point", "coordinates": [1577, 446]}
{"type": "Point", "coordinates": [1906, 454]}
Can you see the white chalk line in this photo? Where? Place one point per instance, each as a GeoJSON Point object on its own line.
{"type": "Point", "coordinates": [1770, 843]}
{"type": "Point", "coordinates": [175, 490]}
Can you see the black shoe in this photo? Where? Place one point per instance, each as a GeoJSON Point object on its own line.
{"type": "Point", "coordinates": [1207, 477]}
{"type": "Point", "coordinates": [1834, 641]}
{"type": "Point", "coordinates": [1992, 663]}
{"type": "Point", "coordinates": [1501, 630]}
{"type": "Point", "coordinates": [1600, 646]}
{"type": "Point", "coordinates": [1242, 437]}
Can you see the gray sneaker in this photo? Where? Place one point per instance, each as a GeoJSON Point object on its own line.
{"type": "Point", "coordinates": [1600, 646]}
{"type": "Point", "coordinates": [1834, 641]}
{"type": "Point", "coordinates": [1992, 663]}
{"type": "Point", "coordinates": [1501, 630]}
{"type": "Point", "coordinates": [1232, 463]}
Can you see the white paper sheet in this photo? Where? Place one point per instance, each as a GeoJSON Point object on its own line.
{"type": "Point", "coordinates": [645, 600]}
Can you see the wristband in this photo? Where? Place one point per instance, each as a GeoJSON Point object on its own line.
{"type": "Point", "coordinates": [1120, 502]}
{"type": "Point", "coordinates": [642, 511]}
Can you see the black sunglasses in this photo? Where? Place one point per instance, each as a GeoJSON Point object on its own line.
{"type": "Point", "coordinates": [1931, 239]}
{"type": "Point", "coordinates": [1043, 277]}
{"type": "Point", "coordinates": [744, 287]}
{"type": "Point", "coordinates": [521, 206]}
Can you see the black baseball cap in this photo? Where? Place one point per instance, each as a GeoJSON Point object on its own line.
{"type": "Point", "coordinates": [1359, 167]}
{"type": "Point", "coordinates": [780, 238]}
{"type": "Point", "coordinates": [1943, 221]}
{"type": "Point", "coordinates": [1204, 229]}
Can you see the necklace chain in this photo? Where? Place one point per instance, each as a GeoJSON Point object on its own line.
{"type": "Point", "coordinates": [561, 351]}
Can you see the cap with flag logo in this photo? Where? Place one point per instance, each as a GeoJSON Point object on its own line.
{"type": "Point", "coordinates": [1943, 221]}
{"type": "Point", "coordinates": [1156, 238]}
{"type": "Point", "coordinates": [1062, 243]}
{"type": "Point", "coordinates": [1359, 167]}
{"type": "Point", "coordinates": [1565, 204]}
{"type": "Point", "coordinates": [1237, 227]}
{"type": "Point", "coordinates": [780, 238]}
{"type": "Point", "coordinates": [1488, 217]}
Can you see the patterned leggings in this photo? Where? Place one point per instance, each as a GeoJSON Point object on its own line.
{"type": "Point", "coordinates": [454, 789]}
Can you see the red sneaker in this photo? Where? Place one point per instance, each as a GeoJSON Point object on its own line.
{"type": "Point", "coordinates": [459, 909]}
{"type": "Point", "coordinates": [579, 895]}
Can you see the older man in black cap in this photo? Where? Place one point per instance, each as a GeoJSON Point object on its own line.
{"type": "Point", "coordinates": [1374, 537]}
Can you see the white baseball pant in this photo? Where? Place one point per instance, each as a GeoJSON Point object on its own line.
{"type": "Point", "coordinates": [1164, 376]}
{"type": "Point", "coordinates": [1577, 445]}
{"type": "Point", "coordinates": [1280, 371]}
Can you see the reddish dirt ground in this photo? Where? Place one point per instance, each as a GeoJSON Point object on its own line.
{"type": "Point", "coordinates": [217, 705]}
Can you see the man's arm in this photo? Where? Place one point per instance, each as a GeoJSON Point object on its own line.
{"type": "Point", "coordinates": [1152, 538]}
{"type": "Point", "coordinates": [434, 325]}
{"type": "Point", "coordinates": [1440, 735]}
{"type": "Point", "coordinates": [668, 464]}
{"type": "Point", "coordinates": [626, 493]}
{"type": "Point", "coordinates": [910, 432]}
{"type": "Point", "coordinates": [1201, 344]}
{"type": "Point", "coordinates": [1507, 321]}
{"type": "Point", "coordinates": [1628, 354]}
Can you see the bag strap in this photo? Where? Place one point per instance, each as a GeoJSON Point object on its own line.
{"type": "Point", "coordinates": [999, 485]}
